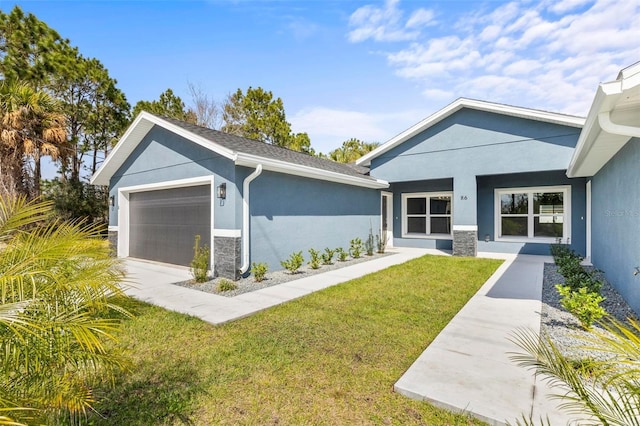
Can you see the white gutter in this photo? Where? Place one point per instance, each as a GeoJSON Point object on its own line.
{"type": "Point", "coordinates": [245, 218]}
{"type": "Point", "coordinates": [604, 119]}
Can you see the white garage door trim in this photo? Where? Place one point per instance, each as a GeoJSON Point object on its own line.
{"type": "Point", "coordinates": [123, 208]}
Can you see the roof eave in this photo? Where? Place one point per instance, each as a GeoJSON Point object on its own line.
{"type": "Point", "coordinates": [461, 103]}
{"type": "Point", "coordinates": [249, 160]}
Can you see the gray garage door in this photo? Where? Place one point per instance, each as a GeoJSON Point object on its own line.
{"type": "Point", "coordinates": [163, 224]}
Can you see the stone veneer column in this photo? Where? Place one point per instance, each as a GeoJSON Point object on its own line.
{"type": "Point", "coordinates": [112, 237]}
{"type": "Point", "coordinates": [465, 241]}
{"type": "Point", "coordinates": [227, 257]}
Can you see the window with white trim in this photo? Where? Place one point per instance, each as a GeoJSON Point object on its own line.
{"type": "Point", "coordinates": [537, 214]}
{"type": "Point", "coordinates": [426, 214]}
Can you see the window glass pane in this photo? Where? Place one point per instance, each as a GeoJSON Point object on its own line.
{"type": "Point", "coordinates": [514, 203]}
{"type": "Point", "coordinates": [441, 225]}
{"type": "Point", "coordinates": [440, 205]}
{"type": "Point", "coordinates": [548, 203]}
{"type": "Point", "coordinates": [416, 225]}
{"type": "Point", "coordinates": [547, 226]}
{"type": "Point", "coordinates": [416, 206]}
{"type": "Point", "coordinates": [514, 226]}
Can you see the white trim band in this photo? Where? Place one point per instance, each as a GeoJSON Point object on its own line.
{"type": "Point", "coordinates": [465, 227]}
{"type": "Point", "coordinates": [230, 233]}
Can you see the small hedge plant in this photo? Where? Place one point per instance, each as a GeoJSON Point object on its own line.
{"type": "Point", "coordinates": [369, 244]}
{"type": "Point", "coordinates": [294, 262]}
{"type": "Point", "coordinates": [327, 256]}
{"type": "Point", "coordinates": [381, 243]}
{"type": "Point", "coordinates": [200, 263]}
{"type": "Point", "coordinates": [314, 262]}
{"type": "Point", "coordinates": [342, 254]}
{"type": "Point", "coordinates": [580, 293]}
{"type": "Point", "coordinates": [355, 250]}
{"type": "Point", "coordinates": [259, 271]}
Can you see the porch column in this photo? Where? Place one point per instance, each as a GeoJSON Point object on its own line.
{"type": "Point", "coordinates": [465, 216]}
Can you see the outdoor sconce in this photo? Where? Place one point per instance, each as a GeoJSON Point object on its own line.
{"type": "Point", "coordinates": [636, 271]}
{"type": "Point", "coordinates": [487, 238]}
{"type": "Point", "coordinates": [222, 191]}
{"type": "Point", "coordinates": [112, 201]}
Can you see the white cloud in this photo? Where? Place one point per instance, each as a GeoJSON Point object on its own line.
{"type": "Point", "coordinates": [548, 55]}
{"type": "Point", "coordinates": [387, 23]}
{"type": "Point", "coordinates": [328, 128]}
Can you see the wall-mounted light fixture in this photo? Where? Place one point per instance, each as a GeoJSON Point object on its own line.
{"type": "Point", "coordinates": [636, 271]}
{"type": "Point", "coordinates": [112, 200]}
{"type": "Point", "coordinates": [487, 238]}
{"type": "Point", "coordinates": [222, 191]}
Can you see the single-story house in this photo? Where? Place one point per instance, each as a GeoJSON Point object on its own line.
{"type": "Point", "coordinates": [474, 176]}
{"type": "Point", "coordinates": [249, 201]}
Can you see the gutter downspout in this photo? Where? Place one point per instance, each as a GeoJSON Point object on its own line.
{"type": "Point", "coordinates": [245, 218]}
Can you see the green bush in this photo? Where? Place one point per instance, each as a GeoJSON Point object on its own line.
{"type": "Point", "coordinates": [355, 250]}
{"type": "Point", "coordinates": [314, 262]}
{"type": "Point", "coordinates": [342, 254]}
{"type": "Point", "coordinates": [226, 285]}
{"type": "Point", "coordinates": [327, 256]}
{"type": "Point", "coordinates": [200, 263]}
{"type": "Point", "coordinates": [294, 262]}
{"type": "Point", "coordinates": [585, 305]}
{"type": "Point", "coordinates": [259, 271]}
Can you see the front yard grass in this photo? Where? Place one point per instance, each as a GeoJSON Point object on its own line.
{"type": "Point", "coordinates": [329, 358]}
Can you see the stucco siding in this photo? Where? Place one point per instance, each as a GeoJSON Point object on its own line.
{"type": "Point", "coordinates": [472, 143]}
{"type": "Point", "coordinates": [163, 156]}
{"type": "Point", "coordinates": [615, 238]}
{"type": "Point", "coordinates": [486, 210]}
{"type": "Point", "coordinates": [291, 213]}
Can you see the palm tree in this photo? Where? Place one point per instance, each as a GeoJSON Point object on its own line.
{"type": "Point", "coordinates": [57, 288]}
{"type": "Point", "coordinates": [610, 396]}
{"type": "Point", "coordinates": [32, 126]}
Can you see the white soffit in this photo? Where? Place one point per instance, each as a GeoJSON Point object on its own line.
{"type": "Point", "coordinates": [614, 118]}
{"type": "Point", "coordinates": [526, 113]}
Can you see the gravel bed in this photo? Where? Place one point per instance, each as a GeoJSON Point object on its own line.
{"type": "Point", "coordinates": [563, 328]}
{"type": "Point", "coordinates": [248, 284]}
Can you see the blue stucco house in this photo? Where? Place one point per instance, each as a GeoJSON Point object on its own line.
{"type": "Point", "coordinates": [473, 177]}
{"type": "Point", "coordinates": [249, 201]}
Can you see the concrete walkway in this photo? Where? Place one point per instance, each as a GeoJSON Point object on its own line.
{"type": "Point", "coordinates": [466, 368]}
{"type": "Point", "coordinates": [151, 282]}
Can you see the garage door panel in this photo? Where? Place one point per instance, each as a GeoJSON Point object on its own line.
{"type": "Point", "coordinates": [163, 223]}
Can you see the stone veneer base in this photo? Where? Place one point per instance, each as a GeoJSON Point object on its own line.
{"type": "Point", "coordinates": [465, 243]}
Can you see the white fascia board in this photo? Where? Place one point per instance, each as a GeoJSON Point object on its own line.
{"type": "Point", "coordinates": [134, 135]}
{"type": "Point", "coordinates": [532, 114]}
{"type": "Point", "coordinates": [585, 164]}
{"type": "Point", "coordinates": [249, 160]}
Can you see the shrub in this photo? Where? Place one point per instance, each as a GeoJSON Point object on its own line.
{"type": "Point", "coordinates": [315, 259]}
{"type": "Point", "coordinates": [356, 248]}
{"type": "Point", "coordinates": [381, 243]}
{"type": "Point", "coordinates": [226, 285]}
{"type": "Point", "coordinates": [369, 245]}
{"type": "Point", "coordinates": [200, 263]}
{"type": "Point", "coordinates": [342, 254]}
{"type": "Point", "coordinates": [585, 305]}
{"type": "Point", "coordinates": [259, 271]}
{"type": "Point", "coordinates": [327, 256]}
{"type": "Point", "coordinates": [294, 262]}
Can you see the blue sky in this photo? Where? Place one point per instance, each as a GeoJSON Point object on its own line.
{"type": "Point", "coordinates": [365, 69]}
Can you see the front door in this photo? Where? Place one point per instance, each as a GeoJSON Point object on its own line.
{"type": "Point", "coordinates": [387, 217]}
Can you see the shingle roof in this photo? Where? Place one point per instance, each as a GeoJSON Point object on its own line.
{"type": "Point", "coordinates": [248, 146]}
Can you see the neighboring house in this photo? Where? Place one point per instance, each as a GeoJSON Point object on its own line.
{"type": "Point", "coordinates": [474, 176]}
{"type": "Point", "coordinates": [608, 152]}
{"type": "Point", "coordinates": [478, 176]}
{"type": "Point", "coordinates": [249, 201]}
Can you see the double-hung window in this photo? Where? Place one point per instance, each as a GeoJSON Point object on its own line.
{"type": "Point", "coordinates": [426, 214]}
{"type": "Point", "coordinates": [533, 214]}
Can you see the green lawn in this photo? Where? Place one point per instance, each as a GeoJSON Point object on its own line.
{"type": "Point", "coordinates": [326, 359]}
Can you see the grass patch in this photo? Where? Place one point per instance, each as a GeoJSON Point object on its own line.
{"type": "Point", "coordinates": [329, 358]}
